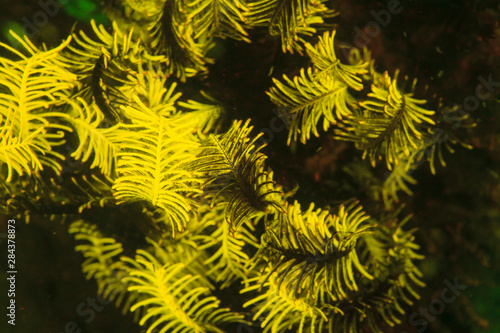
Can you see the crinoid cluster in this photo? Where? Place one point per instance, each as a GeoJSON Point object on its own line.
{"type": "Point", "coordinates": [212, 216]}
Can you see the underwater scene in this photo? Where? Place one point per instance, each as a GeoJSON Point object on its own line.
{"type": "Point", "coordinates": [250, 166]}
